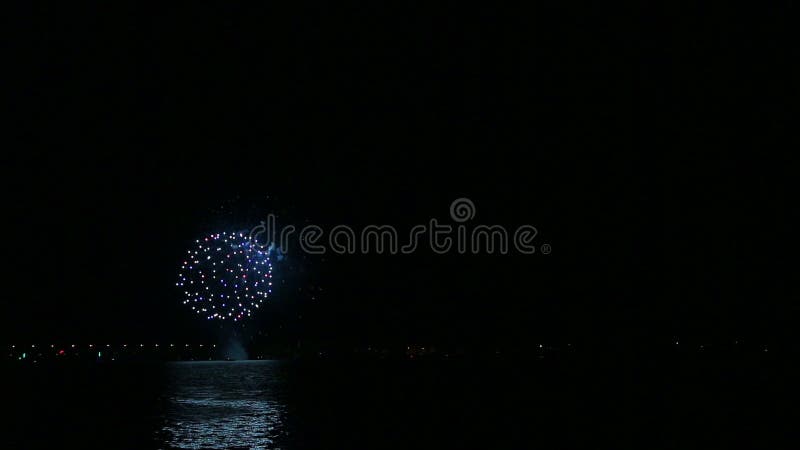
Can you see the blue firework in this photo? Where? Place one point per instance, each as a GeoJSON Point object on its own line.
{"type": "Point", "coordinates": [225, 276]}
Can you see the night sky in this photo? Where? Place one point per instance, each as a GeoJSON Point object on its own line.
{"type": "Point", "coordinates": [637, 152]}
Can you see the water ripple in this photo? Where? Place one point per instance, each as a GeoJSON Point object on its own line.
{"type": "Point", "coordinates": [219, 405]}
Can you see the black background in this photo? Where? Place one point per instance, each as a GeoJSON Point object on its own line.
{"type": "Point", "coordinates": [641, 143]}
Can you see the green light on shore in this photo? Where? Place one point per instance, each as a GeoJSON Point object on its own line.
{"type": "Point", "coordinates": [24, 355]}
{"type": "Point", "coordinates": [99, 354]}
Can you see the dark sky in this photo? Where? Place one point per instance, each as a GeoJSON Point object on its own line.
{"type": "Point", "coordinates": [619, 139]}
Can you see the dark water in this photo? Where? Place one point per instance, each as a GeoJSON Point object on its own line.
{"type": "Point", "coordinates": [421, 404]}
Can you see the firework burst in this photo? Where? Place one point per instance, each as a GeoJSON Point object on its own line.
{"type": "Point", "coordinates": [225, 276]}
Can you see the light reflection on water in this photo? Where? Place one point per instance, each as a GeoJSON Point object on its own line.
{"type": "Point", "coordinates": [224, 405]}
